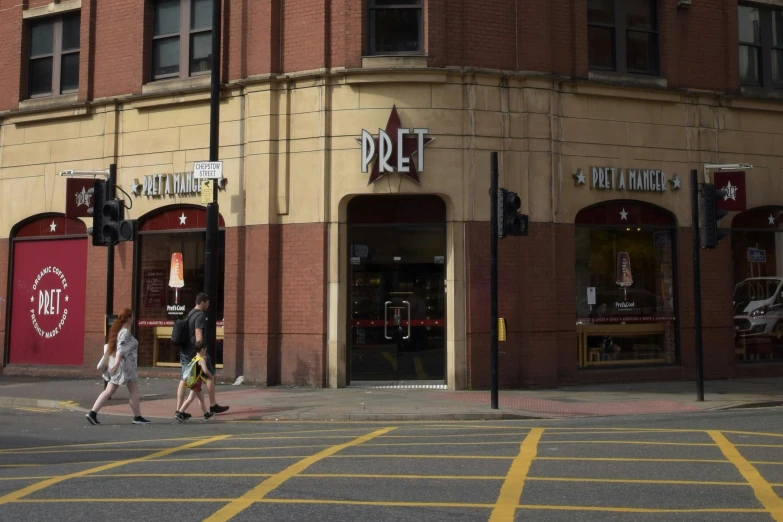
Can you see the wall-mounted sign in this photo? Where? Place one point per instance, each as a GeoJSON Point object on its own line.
{"type": "Point", "coordinates": [176, 281]}
{"type": "Point", "coordinates": [177, 184]}
{"type": "Point", "coordinates": [632, 180]}
{"type": "Point", "coordinates": [77, 198]}
{"type": "Point", "coordinates": [393, 149]}
{"type": "Point", "coordinates": [734, 185]}
{"type": "Point", "coordinates": [757, 255]}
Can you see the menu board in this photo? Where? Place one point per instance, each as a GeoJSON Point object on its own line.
{"type": "Point", "coordinates": [154, 281]}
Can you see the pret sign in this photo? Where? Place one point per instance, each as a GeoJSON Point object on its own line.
{"type": "Point", "coordinates": [77, 197]}
{"type": "Point", "coordinates": [208, 170]}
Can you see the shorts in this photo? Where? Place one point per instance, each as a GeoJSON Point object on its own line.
{"type": "Point", "coordinates": [196, 387]}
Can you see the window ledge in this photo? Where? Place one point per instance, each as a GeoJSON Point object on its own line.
{"type": "Point", "coordinates": [394, 62]}
{"type": "Point", "coordinates": [53, 8]}
{"type": "Point", "coordinates": [176, 84]}
{"type": "Point", "coordinates": [630, 80]}
{"type": "Point", "coordinates": [761, 93]}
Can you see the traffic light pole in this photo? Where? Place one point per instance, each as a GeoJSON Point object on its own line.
{"type": "Point", "coordinates": [211, 256]}
{"type": "Point", "coordinates": [493, 279]}
{"type": "Point", "coordinates": [111, 186]}
{"type": "Point", "coordinates": [697, 284]}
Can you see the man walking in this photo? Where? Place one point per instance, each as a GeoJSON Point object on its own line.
{"type": "Point", "coordinates": [196, 322]}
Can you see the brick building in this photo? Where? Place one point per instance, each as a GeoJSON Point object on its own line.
{"type": "Point", "coordinates": [353, 251]}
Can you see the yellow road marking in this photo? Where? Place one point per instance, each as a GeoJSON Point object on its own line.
{"type": "Point", "coordinates": [631, 459]}
{"type": "Point", "coordinates": [469, 457]}
{"type": "Point", "coordinates": [455, 435]}
{"type": "Point", "coordinates": [188, 475]}
{"type": "Point", "coordinates": [237, 506]}
{"type": "Point", "coordinates": [761, 488]}
{"type": "Point", "coordinates": [442, 443]}
{"type": "Point", "coordinates": [511, 491]}
{"type": "Point", "coordinates": [211, 458]}
{"type": "Point", "coordinates": [247, 436]}
{"type": "Point", "coordinates": [639, 481]}
{"type": "Point", "coordinates": [767, 463]}
{"type": "Point", "coordinates": [34, 410]}
{"type": "Point", "coordinates": [18, 494]}
{"type": "Point", "coordinates": [20, 465]}
{"type": "Point", "coordinates": [759, 433]}
{"type": "Point", "coordinates": [642, 442]}
{"type": "Point", "coordinates": [88, 444]}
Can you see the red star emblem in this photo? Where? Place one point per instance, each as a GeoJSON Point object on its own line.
{"type": "Point", "coordinates": [410, 147]}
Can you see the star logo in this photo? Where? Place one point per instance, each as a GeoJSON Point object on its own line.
{"type": "Point", "coordinates": [623, 215]}
{"type": "Point", "coordinates": [83, 198]}
{"type": "Point", "coordinates": [731, 192]}
{"type": "Point", "coordinates": [67, 298]}
{"type": "Point", "coordinates": [395, 149]}
{"type": "Point", "coordinates": [675, 181]}
{"type": "Point", "coordinates": [32, 299]}
{"type": "Point", "coordinates": [579, 177]}
{"type": "Point", "coordinates": [771, 219]}
{"type": "Point", "coordinates": [135, 187]}
{"type": "Point", "coordinates": [183, 219]}
{"type": "Point", "coordinates": [53, 226]}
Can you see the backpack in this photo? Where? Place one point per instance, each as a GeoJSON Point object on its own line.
{"type": "Point", "coordinates": [190, 373]}
{"type": "Point", "coordinates": [180, 334]}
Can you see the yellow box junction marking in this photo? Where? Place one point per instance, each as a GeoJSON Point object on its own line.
{"type": "Point", "coordinates": [761, 488]}
{"type": "Point", "coordinates": [245, 501]}
{"type": "Point", "coordinates": [510, 493]}
{"type": "Point", "coordinates": [18, 494]}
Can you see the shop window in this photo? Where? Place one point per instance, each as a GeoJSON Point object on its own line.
{"type": "Point", "coordinates": [623, 36]}
{"type": "Point", "coordinates": [170, 275]}
{"type": "Point", "coordinates": [53, 67]}
{"type": "Point", "coordinates": [760, 46]}
{"type": "Point", "coordinates": [395, 26]}
{"type": "Point", "coordinates": [181, 38]}
{"type": "Point", "coordinates": [757, 248]}
{"type": "Point", "coordinates": [625, 285]}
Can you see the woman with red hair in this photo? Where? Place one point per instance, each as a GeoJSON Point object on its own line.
{"type": "Point", "coordinates": [123, 352]}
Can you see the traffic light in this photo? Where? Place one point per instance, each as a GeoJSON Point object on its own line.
{"type": "Point", "coordinates": [709, 215]}
{"type": "Point", "coordinates": [510, 221]}
{"type": "Point", "coordinates": [116, 228]}
{"type": "Point", "coordinates": [98, 193]}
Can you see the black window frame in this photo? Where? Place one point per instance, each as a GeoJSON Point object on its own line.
{"type": "Point", "coordinates": [185, 36]}
{"type": "Point", "coordinates": [56, 55]}
{"type": "Point", "coordinates": [766, 47]}
{"type": "Point", "coordinates": [620, 45]}
{"type": "Point", "coordinates": [372, 6]}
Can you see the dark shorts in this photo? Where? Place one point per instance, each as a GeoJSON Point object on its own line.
{"type": "Point", "coordinates": [184, 360]}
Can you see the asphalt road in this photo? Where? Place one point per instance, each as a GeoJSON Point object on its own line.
{"type": "Point", "coordinates": [725, 466]}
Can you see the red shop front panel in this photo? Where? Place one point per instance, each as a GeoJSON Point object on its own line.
{"type": "Point", "coordinates": [47, 313]}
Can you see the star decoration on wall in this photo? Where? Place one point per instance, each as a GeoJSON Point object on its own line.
{"type": "Point", "coordinates": [135, 187]}
{"type": "Point", "coordinates": [771, 219]}
{"type": "Point", "coordinates": [53, 227]}
{"type": "Point", "coordinates": [410, 146]}
{"type": "Point", "coordinates": [67, 298]}
{"type": "Point", "coordinates": [579, 177]}
{"type": "Point", "coordinates": [183, 219]}
{"type": "Point", "coordinates": [731, 192]}
{"type": "Point", "coordinates": [623, 215]}
{"type": "Point", "coordinates": [675, 181]}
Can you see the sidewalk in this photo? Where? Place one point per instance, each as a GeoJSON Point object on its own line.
{"type": "Point", "coordinates": [376, 404]}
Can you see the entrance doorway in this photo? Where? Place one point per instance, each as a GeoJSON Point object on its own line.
{"type": "Point", "coordinates": [397, 294]}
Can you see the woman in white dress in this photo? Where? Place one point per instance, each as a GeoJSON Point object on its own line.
{"type": "Point", "coordinates": [122, 369]}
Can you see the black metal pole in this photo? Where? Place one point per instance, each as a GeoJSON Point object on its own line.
{"type": "Point", "coordinates": [211, 256]}
{"type": "Point", "coordinates": [697, 284]}
{"type": "Point", "coordinates": [111, 191]}
{"type": "Point", "coordinates": [493, 278]}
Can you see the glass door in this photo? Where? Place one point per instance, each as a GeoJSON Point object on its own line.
{"type": "Point", "coordinates": [397, 311]}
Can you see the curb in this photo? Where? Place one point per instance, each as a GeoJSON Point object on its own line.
{"type": "Point", "coordinates": [749, 405]}
{"type": "Point", "coordinates": [394, 417]}
{"type": "Point", "coordinates": [40, 403]}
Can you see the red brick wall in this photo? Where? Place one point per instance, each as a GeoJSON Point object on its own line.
{"type": "Point", "coordinates": [304, 30]}
{"type": "Point", "coordinates": [95, 307]}
{"type": "Point", "coordinates": [708, 45]}
{"type": "Point", "coordinates": [119, 47]}
{"type": "Point", "coordinates": [488, 29]}
{"type": "Point", "coordinates": [10, 53]}
{"type": "Point", "coordinates": [4, 263]}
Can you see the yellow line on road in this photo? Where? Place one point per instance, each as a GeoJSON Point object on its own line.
{"type": "Point", "coordinates": [767, 463]}
{"type": "Point", "coordinates": [237, 506]}
{"type": "Point", "coordinates": [18, 494]}
{"type": "Point", "coordinates": [27, 478]}
{"type": "Point", "coordinates": [632, 459]}
{"type": "Point", "coordinates": [761, 488]}
{"type": "Point", "coordinates": [88, 444]}
{"type": "Point", "coordinates": [211, 458]}
{"type": "Point", "coordinates": [759, 433]}
{"type": "Point", "coordinates": [184, 475]}
{"type": "Point", "coordinates": [520, 434]}
{"type": "Point", "coordinates": [639, 481]}
{"type": "Point", "coordinates": [641, 442]}
{"type": "Point", "coordinates": [409, 477]}
{"type": "Point", "coordinates": [391, 456]}
{"type": "Point", "coordinates": [20, 465]}
{"type": "Point", "coordinates": [611, 509]}
{"type": "Point", "coordinates": [511, 491]}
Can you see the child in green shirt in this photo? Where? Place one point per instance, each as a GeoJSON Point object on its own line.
{"type": "Point", "coordinates": [203, 374]}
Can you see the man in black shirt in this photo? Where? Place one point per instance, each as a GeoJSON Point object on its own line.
{"type": "Point", "coordinates": [196, 323]}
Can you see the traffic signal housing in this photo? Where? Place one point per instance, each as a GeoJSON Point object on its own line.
{"type": "Point", "coordinates": [116, 228]}
{"type": "Point", "coordinates": [510, 221]}
{"type": "Point", "coordinates": [709, 215]}
{"type": "Point", "coordinates": [98, 193]}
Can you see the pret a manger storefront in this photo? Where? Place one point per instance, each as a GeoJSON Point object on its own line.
{"type": "Point", "coordinates": [355, 231]}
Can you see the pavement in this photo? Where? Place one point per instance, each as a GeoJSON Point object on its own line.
{"type": "Point", "coordinates": [395, 404]}
{"type": "Point", "coordinates": [713, 466]}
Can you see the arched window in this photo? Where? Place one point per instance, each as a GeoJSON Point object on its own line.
{"type": "Point", "coordinates": [757, 248]}
{"type": "Point", "coordinates": [625, 285]}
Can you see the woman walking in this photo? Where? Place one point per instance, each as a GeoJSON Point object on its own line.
{"type": "Point", "coordinates": [123, 355]}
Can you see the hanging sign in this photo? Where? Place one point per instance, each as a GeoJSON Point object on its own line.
{"type": "Point", "coordinates": [77, 197]}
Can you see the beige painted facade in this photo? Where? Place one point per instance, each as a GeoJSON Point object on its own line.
{"type": "Point", "coordinates": [291, 154]}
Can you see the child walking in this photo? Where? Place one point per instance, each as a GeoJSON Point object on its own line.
{"type": "Point", "coordinates": [202, 374]}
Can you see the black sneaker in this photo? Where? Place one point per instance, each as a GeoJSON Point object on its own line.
{"type": "Point", "coordinates": [187, 415]}
{"type": "Point", "coordinates": [140, 420]}
{"type": "Point", "coordinates": [92, 417]}
{"type": "Point", "coordinates": [180, 416]}
{"type": "Point", "coordinates": [218, 409]}
{"type": "Point", "coordinates": [208, 415]}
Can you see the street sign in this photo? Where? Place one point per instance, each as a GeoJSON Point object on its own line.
{"type": "Point", "coordinates": [757, 255]}
{"type": "Point", "coordinates": [208, 170]}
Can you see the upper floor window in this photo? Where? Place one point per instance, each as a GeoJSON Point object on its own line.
{"type": "Point", "coordinates": [760, 46]}
{"type": "Point", "coordinates": [54, 56]}
{"type": "Point", "coordinates": [395, 26]}
{"type": "Point", "coordinates": [623, 35]}
{"type": "Point", "coordinates": [181, 38]}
